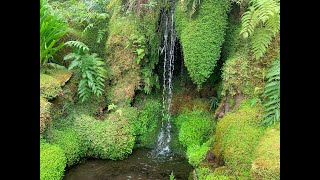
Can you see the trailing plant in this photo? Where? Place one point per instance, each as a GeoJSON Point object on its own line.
{"type": "Point", "coordinates": [52, 27]}
{"type": "Point", "coordinates": [261, 22]}
{"type": "Point", "coordinates": [272, 95]}
{"type": "Point", "coordinates": [138, 43]}
{"type": "Point", "coordinates": [91, 68]}
{"type": "Point", "coordinates": [172, 176]}
{"type": "Point", "coordinates": [201, 37]}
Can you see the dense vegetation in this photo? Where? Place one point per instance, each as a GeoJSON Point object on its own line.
{"type": "Point", "coordinates": [101, 73]}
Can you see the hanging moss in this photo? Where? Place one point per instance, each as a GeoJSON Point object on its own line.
{"type": "Point", "coordinates": [202, 36]}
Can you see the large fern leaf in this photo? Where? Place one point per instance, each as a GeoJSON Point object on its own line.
{"type": "Point", "coordinates": [261, 22]}
{"type": "Point", "coordinates": [272, 95]}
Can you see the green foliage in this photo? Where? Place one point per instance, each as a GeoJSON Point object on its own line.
{"type": "Point", "coordinates": [71, 144]}
{"type": "Point", "coordinates": [237, 135]}
{"type": "Point", "coordinates": [111, 138]}
{"type": "Point", "coordinates": [148, 122]}
{"type": "Point", "coordinates": [52, 161]}
{"type": "Point", "coordinates": [266, 164]}
{"type": "Point", "coordinates": [138, 44]}
{"type": "Point", "coordinates": [194, 133]}
{"type": "Point", "coordinates": [196, 153]}
{"type": "Point", "coordinates": [52, 28]}
{"type": "Point", "coordinates": [201, 37]}
{"type": "Point", "coordinates": [172, 176]}
{"type": "Point", "coordinates": [91, 68]}
{"type": "Point", "coordinates": [262, 22]}
{"type": "Point", "coordinates": [213, 103]}
{"type": "Point", "coordinates": [272, 95]}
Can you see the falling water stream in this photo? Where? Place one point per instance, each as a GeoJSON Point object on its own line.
{"type": "Point", "coordinates": [167, 52]}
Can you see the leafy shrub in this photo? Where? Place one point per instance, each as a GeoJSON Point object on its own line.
{"type": "Point", "coordinates": [196, 153]}
{"type": "Point", "coordinates": [148, 122]}
{"type": "Point", "coordinates": [71, 144]}
{"type": "Point", "coordinates": [91, 68]}
{"type": "Point", "coordinates": [261, 21]}
{"type": "Point", "coordinates": [52, 161]}
{"type": "Point", "coordinates": [201, 37]}
{"type": "Point", "coordinates": [266, 164]}
{"type": "Point", "coordinates": [107, 139]}
{"type": "Point", "coordinates": [194, 133]}
{"type": "Point", "coordinates": [52, 28]}
{"type": "Point", "coordinates": [237, 135]}
{"type": "Point", "coordinates": [272, 95]}
{"type": "Point", "coordinates": [195, 127]}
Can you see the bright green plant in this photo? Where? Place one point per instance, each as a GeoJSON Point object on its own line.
{"type": "Point", "coordinates": [261, 22]}
{"type": "Point", "coordinates": [146, 125]}
{"type": "Point", "coordinates": [138, 44]}
{"type": "Point", "coordinates": [194, 134]}
{"type": "Point", "coordinates": [91, 68]}
{"type": "Point", "coordinates": [52, 27]}
{"type": "Point", "coordinates": [191, 5]}
{"type": "Point", "coordinates": [52, 161]}
{"type": "Point", "coordinates": [201, 37]}
{"type": "Point", "coordinates": [172, 176]}
{"type": "Point", "coordinates": [71, 144]}
{"type": "Point", "coordinates": [272, 95]}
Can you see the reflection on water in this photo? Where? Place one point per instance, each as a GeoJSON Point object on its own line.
{"type": "Point", "coordinates": [141, 164]}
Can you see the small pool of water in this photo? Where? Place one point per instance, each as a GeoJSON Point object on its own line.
{"type": "Point", "coordinates": [141, 164]}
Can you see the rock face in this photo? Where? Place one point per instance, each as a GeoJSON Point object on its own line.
{"type": "Point", "coordinates": [50, 88]}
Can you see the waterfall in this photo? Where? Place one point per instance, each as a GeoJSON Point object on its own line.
{"type": "Point", "coordinates": [167, 51]}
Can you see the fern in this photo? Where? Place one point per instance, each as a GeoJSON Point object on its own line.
{"type": "Point", "coordinates": [91, 68]}
{"type": "Point", "coordinates": [100, 35]}
{"type": "Point", "coordinates": [272, 95]}
{"type": "Point", "coordinates": [261, 22]}
{"type": "Point", "coordinates": [78, 45]}
{"type": "Point", "coordinates": [90, 26]}
{"type": "Point", "coordinates": [213, 103]}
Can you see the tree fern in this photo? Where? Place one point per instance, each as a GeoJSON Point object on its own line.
{"type": "Point", "coordinates": [272, 95]}
{"type": "Point", "coordinates": [261, 21]}
{"type": "Point", "coordinates": [91, 68]}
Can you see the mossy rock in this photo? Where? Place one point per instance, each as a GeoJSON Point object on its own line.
{"type": "Point", "coordinates": [49, 86]}
{"type": "Point", "coordinates": [52, 161]}
{"type": "Point", "coordinates": [110, 138]}
{"type": "Point", "coordinates": [266, 164]}
{"type": "Point", "coordinates": [202, 36]}
{"type": "Point", "coordinates": [237, 135]}
{"type": "Point", "coordinates": [71, 144]}
{"type": "Point", "coordinates": [45, 117]}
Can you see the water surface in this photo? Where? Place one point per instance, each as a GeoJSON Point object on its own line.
{"type": "Point", "coordinates": [141, 164]}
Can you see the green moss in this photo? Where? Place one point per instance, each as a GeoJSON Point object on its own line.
{"type": "Point", "coordinates": [237, 135]}
{"type": "Point", "coordinates": [111, 138]}
{"type": "Point", "coordinates": [202, 37]}
{"type": "Point", "coordinates": [147, 125]}
{"type": "Point", "coordinates": [52, 161]}
{"type": "Point", "coordinates": [194, 133]}
{"type": "Point", "coordinates": [71, 144]}
{"type": "Point", "coordinates": [266, 164]}
{"type": "Point", "coordinates": [49, 86]}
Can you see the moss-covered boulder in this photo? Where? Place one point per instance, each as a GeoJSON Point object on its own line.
{"type": "Point", "coordinates": [52, 161]}
{"type": "Point", "coordinates": [110, 138]}
{"type": "Point", "coordinates": [202, 36]}
{"type": "Point", "coordinates": [237, 135]}
{"type": "Point", "coordinates": [45, 117]}
{"type": "Point", "coordinates": [71, 144]}
{"type": "Point", "coordinates": [195, 128]}
{"type": "Point", "coordinates": [266, 164]}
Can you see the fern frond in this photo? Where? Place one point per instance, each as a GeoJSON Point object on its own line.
{"type": "Point", "coordinates": [79, 45]}
{"type": "Point", "coordinates": [90, 26]}
{"type": "Point", "coordinates": [100, 35]}
{"type": "Point", "coordinates": [261, 41]}
{"type": "Point", "coordinates": [272, 95]}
